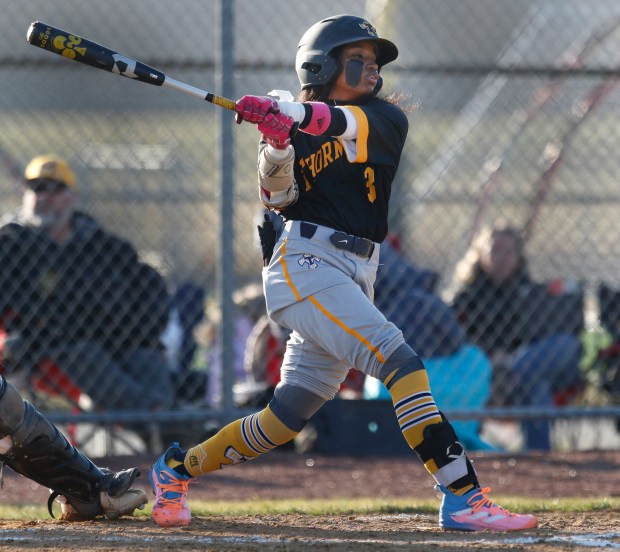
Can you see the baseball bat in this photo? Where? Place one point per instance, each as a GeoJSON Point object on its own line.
{"type": "Point", "coordinates": [85, 51]}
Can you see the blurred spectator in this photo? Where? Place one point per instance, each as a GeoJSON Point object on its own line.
{"type": "Point", "coordinates": [607, 360]}
{"type": "Point", "coordinates": [529, 330]}
{"type": "Point", "coordinates": [459, 372]}
{"type": "Point", "coordinates": [75, 301]}
{"type": "Point", "coordinates": [249, 306]}
{"type": "Point", "coordinates": [186, 314]}
{"type": "Point", "coordinates": [263, 357]}
{"type": "Point", "coordinates": [396, 276]}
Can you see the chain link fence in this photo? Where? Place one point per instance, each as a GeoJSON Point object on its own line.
{"type": "Point", "coordinates": [513, 108]}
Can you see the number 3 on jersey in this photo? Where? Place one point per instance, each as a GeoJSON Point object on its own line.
{"type": "Point", "coordinates": [369, 175]}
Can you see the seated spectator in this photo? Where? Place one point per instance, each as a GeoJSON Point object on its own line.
{"type": "Point", "coordinates": [607, 361]}
{"type": "Point", "coordinates": [76, 299]}
{"type": "Point", "coordinates": [262, 360]}
{"type": "Point", "coordinates": [530, 331]}
{"type": "Point", "coordinates": [459, 372]}
{"type": "Point", "coordinates": [186, 314]}
{"type": "Point", "coordinates": [249, 305]}
{"type": "Point", "coordinates": [397, 276]}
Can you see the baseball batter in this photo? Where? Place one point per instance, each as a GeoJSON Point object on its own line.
{"type": "Point", "coordinates": [326, 163]}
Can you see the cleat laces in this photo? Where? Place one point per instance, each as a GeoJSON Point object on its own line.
{"type": "Point", "coordinates": [175, 486]}
{"type": "Point", "coordinates": [480, 501]}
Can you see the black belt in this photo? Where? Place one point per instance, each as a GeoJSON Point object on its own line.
{"type": "Point", "coordinates": [342, 240]}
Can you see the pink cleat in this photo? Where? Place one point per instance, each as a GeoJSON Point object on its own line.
{"type": "Point", "coordinates": [170, 489]}
{"type": "Point", "coordinates": [475, 511]}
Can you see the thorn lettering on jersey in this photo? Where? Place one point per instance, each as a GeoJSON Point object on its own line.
{"type": "Point", "coordinates": [309, 259]}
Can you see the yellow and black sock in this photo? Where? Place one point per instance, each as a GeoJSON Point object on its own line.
{"type": "Point", "coordinates": [414, 405]}
{"type": "Point", "coordinates": [239, 441]}
{"type": "Point", "coordinates": [429, 433]}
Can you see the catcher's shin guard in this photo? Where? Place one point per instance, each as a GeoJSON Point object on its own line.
{"type": "Point", "coordinates": [445, 458]}
{"type": "Point", "coordinates": [41, 453]}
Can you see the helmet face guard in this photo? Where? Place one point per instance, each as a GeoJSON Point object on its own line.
{"type": "Point", "coordinates": [316, 63]}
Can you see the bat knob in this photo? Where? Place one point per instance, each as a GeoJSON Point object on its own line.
{"type": "Point", "coordinates": [33, 31]}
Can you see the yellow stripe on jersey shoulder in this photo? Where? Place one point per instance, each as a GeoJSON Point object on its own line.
{"type": "Point", "coordinates": [362, 134]}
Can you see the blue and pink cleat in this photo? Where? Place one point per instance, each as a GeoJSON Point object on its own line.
{"type": "Point", "coordinates": [170, 489]}
{"type": "Point", "coordinates": [475, 511]}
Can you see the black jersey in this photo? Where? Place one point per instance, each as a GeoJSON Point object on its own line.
{"type": "Point", "coordinates": [351, 195]}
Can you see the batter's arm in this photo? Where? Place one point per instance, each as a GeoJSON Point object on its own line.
{"type": "Point", "coordinates": [320, 119]}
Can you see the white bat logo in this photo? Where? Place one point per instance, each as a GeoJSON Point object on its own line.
{"type": "Point", "coordinates": [127, 67]}
{"type": "Point", "coordinates": [124, 66]}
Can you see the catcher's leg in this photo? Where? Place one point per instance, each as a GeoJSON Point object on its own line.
{"type": "Point", "coordinates": [33, 447]}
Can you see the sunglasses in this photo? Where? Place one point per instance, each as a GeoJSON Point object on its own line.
{"type": "Point", "coordinates": [45, 185]}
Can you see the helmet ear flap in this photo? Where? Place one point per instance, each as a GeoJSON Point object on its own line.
{"type": "Point", "coordinates": [318, 70]}
{"type": "Point", "coordinates": [378, 86]}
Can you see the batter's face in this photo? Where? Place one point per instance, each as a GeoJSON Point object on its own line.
{"type": "Point", "coordinates": [360, 72]}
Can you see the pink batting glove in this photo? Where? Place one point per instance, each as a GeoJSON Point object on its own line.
{"type": "Point", "coordinates": [276, 129]}
{"type": "Point", "coordinates": [254, 109]}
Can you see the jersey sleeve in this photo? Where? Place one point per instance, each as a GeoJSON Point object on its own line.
{"type": "Point", "coordinates": [381, 133]}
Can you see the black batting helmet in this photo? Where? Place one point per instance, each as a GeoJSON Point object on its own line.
{"type": "Point", "coordinates": [315, 64]}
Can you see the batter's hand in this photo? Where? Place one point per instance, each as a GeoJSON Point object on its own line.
{"type": "Point", "coordinates": [277, 129]}
{"type": "Point", "coordinates": [254, 109]}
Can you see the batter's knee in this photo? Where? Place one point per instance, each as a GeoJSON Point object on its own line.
{"type": "Point", "coordinates": [401, 362]}
{"type": "Point", "coordinates": [294, 406]}
{"type": "Point", "coordinates": [11, 408]}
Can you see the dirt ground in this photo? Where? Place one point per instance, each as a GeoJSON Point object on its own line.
{"type": "Point", "coordinates": [286, 474]}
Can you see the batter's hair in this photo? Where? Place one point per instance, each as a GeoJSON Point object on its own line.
{"type": "Point", "coordinates": [321, 94]}
{"type": "Point", "coordinates": [314, 94]}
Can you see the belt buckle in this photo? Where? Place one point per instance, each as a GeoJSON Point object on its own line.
{"type": "Point", "coordinates": [362, 247]}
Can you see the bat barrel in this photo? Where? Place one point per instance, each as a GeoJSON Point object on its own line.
{"type": "Point", "coordinates": [86, 51]}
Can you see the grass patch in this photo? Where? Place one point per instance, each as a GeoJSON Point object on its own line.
{"type": "Point", "coordinates": [393, 506]}
{"type": "Point", "coordinates": [336, 506]}
{"type": "Point", "coordinates": [343, 506]}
